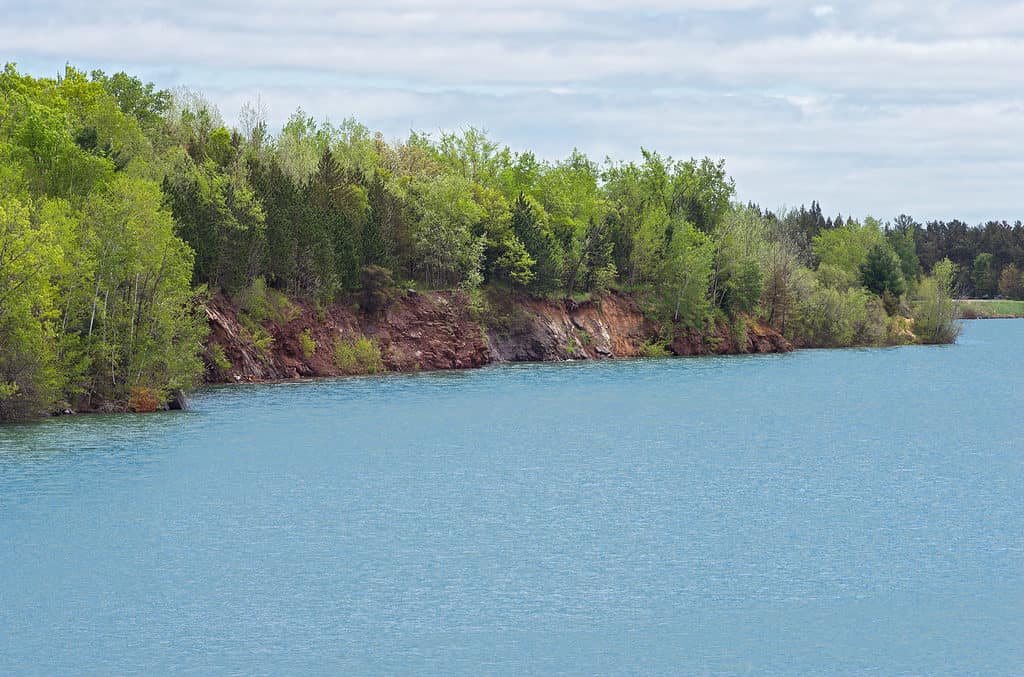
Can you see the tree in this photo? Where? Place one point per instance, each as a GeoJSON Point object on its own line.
{"type": "Point", "coordinates": [515, 263]}
{"type": "Point", "coordinates": [702, 191]}
{"type": "Point", "coordinates": [935, 311]}
{"type": "Point", "coordinates": [901, 239]}
{"type": "Point", "coordinates": [141, 329]}
{"type": "Point", "coordinates": [333, 233]}
{"type": "Point", "coordinates": [847, 247]}
{"type": "Point", "coordinates": [1011, 282]}
{"type": "Point", "coordinates": [744, 284]}
{"type": "Point", "coordinates": [880, 272]}
{"type": "Point", "coordinates": [527, 222]}
{"type": "Point", "coordinates": [983, 275]}
{"type": "Point", "coordinates": [447, 250]}
{"type": "Point", "coordinates": [30, 255]}
{"type": "Point", "coordinates": [221, 219]}
{"type": "Point", "coordinates": [684, 276]}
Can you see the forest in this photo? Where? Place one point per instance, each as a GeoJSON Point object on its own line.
{"type": "Point", "coordinates": [124, 207]}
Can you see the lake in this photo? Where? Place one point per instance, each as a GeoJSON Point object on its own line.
{"type": "Point", "coordinates": [849, 512]}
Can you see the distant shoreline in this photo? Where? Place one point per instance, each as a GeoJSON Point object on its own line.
{"type": "Point", "coordinates": [991, 309]}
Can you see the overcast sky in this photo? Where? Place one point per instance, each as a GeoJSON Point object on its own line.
{"type": "Point", "coordinates": [871, 107]}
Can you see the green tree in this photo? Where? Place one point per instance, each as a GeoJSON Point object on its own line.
{"type": "Point", "coordinates": [30, 255]}
{"type": "Point", "coordinates": [847, 247]}
{"type": "Point", "coordinates": [141, 329]}
{"type": "Point", "coordinates": [935, 310]}
{"type": "Point", "coordinates": [901, 239]}
{"type": "Point", "coordinates": [220, 217]}
{"type": "Point", "coordinates": [1011, 282]}
{"type": "Point", "coordinates": [880, 272]}
{"type": "Point", "coordinates": [527, 222]}
{"type": "Point", "coordinates": [683, 280]}
{"type": "Point", "coordinates": [983, 275]}
{"type": "Point", "coordinates": [447, 250]}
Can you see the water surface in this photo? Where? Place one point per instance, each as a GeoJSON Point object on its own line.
{"type": "Point", "coordinates": [851, 512]}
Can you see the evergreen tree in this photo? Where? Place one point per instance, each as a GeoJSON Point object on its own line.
{"type": "Point", "coordinates": [880, 272]}
{"type": "Point", "coordinates": [528, 226]}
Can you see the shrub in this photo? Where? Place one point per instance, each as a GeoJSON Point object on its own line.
{"type": "Point", "coordinates": [935, 312]}
{"type": "Point", "coordinates": [829, 318]}
{"type": "Point", "coordinates": [261, 303]}
{"type": "Point", "coordinates": [358, 356]}
{"type": "Point", "coordinates": [654, 348]}
{"type": "Point", "coordinates": [307, 343]}
{"type": "Point", "coordinates": [738, 327]}
{"type": "Point", "coordinates": [218, 358]}
{"type": "Point", "coordinates": [143, 400]}
{"type": "Point", "coordinates": [378, 288]}
{"type": "Point", "coordinates": [263, 341]}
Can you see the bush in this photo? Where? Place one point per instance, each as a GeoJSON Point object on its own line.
{"type": "Point", "coordinates": [143, 400]}
{"type": "Point", "coordinates": [655, 348]}
{"type": "Point", "coordinates": [263, 341]}
{"type": "Point", "coordinates": [378, 288]}
{"type": "Point", "coordinates": [261, 303]}
{"type": "Point", "coordinates": [358, 356]}
{"type": "Point", "coordinates": [829, 318]}
{"type": "Point", "coordinates": [307, 343]}
{"type": "Point", "coordinates": [935, 311]}
{"type": "Point", "coordinates": [218, 358]}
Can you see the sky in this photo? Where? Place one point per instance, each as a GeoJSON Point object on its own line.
{"type": "Point", "coordinates": [870, 107]}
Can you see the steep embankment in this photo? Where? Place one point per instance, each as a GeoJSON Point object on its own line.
{"type": "Point", "coordinates": [430, 331]}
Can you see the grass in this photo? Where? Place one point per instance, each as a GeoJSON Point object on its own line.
{"type": "Point", "coordinates": [984, 308]}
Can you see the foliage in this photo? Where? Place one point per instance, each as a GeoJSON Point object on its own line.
{"type": "Point", "coordinates": [976, 309]}
{"type": "Point", "coordinates": [935, 310]}
{"type": "Point", "coordinates": [847, 247]}
{"type": "Point", "coordinates": [262, 340]}
{"type": "Point", "coordinates": [218, 358]}
{"type": "Point", "coordinates": [378, 288]}
{"type": "Point", "coordinates": [829, 318]}
{"type": "Point", "coordinates": [360, 355]}
{"type": "Point", "coordinates": [984, 274]}
{"type": "Point", "coordinates": [881, 274]}
{"type": "Point", "coordinates": [143, 400]}
{"type": "Point", "coordinates": [262, 304]}
{"type": "Point", "coordinates": [683, 277]}
{"type": "Point", "coordinates": [119, 199]}
{"type": "Point", "coordinates": [1011, 282]}
{"type": "Point", "coordinates": [307, 343]}
{"type": "Point", "coordinates": [654, 348]}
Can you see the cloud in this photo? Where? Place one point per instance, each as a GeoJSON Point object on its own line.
{"type": "Point", "coordinates": [877, 105]}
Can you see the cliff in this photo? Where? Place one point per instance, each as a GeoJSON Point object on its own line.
{"type": "Point", "coordinates": [436, 330]}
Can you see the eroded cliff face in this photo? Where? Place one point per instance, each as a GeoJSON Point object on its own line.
{"type": "Point", "coordinates": [435, 330]}
{"type": "Point", "coordinates": [415, 332]}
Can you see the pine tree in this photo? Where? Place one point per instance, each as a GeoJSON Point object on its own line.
{"type": "Point", "coordinates": [527, 225]}
{"type": "Point", "coordinates": [881, 272]}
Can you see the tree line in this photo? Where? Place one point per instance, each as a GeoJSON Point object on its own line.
{"type": "Point", "coordinates": [124, 206]}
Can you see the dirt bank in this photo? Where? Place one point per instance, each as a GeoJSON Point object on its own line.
{"type": "Point", "coordinates": [436, 330]}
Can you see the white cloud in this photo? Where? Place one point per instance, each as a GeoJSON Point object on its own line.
{"type": "Point", "coordinates": [886, 110]}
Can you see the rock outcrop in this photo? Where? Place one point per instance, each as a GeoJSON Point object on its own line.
{"type": "Point", "coordinates": [436, 330]}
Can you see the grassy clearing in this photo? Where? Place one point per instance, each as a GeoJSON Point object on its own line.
{"type": "Point", "coordinates": [984, 308]}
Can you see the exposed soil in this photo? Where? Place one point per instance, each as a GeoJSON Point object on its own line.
{"type": "Point", "coordinates": [435, 330]}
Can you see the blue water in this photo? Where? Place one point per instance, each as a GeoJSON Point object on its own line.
{"type": "Point", "coordinates": [851, 512]}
